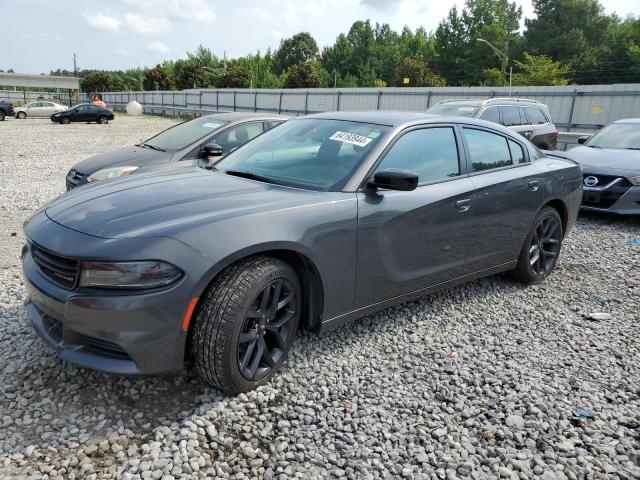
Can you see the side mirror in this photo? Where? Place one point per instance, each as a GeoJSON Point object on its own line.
{"type": "Point", "coordinates": [402, 180]}
{"type": "Point", "coordinates": [212, 149]}
{"type": "Point", "coordinates": [583, 139]}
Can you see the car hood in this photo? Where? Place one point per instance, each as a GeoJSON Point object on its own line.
{"type": "Point", "coordinates": [167, 203]}
{"type": "Point", "coordinates": [615, 159]}
{"type": "Point", "coordinates": [126, 156]}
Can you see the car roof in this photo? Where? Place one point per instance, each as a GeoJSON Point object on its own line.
{"type": "Point", "coordinates": [399, 119]}
{"type": "Point", "coordinates": [628, 120]}
{"type": "Point", "coordinates": [491, 101]}
{"type": "Point", "coordinates": [239, 116]}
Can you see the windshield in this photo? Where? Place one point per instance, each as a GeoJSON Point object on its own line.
{"type": "Point", "coordinates": [617, 135]}
{"type": "Point", "coordinates": [315, 154]}
{"type": "Point", "coordinates": [184, 134]}
{"type": "Point", "coordinates": [454, 110]}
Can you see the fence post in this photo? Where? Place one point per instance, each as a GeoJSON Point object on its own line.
{"type": "Point", "coordinates": [306, 102]}
{"type": "Point", "coordinates": [428, 99]}
{"type": "Point", "coordinates": [338, 101]}
{"type": "Point", "coordinates": [255, 101]}
{"type": "Point", "coordinates": [280, 103]}
{"type": "Point", "coordinates": [234, 100]}
{"type": "Point", "coordinates": [162, 102]}
{"type": "Point", "coordinates": [573, 104]}
{"type": "Point", "coordinates": [200, 102]}
{"type": "Point", "coordinates": [379, 97]}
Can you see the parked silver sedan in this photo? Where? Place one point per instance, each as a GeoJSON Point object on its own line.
{"type": "Point", "coordinates": [41, 108]}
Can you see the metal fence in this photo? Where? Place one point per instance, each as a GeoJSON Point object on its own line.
{"type": "Point", "coordinates": [583, 108]}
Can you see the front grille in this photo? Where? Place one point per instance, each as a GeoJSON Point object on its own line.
{"type": "Point", "coordinates": [53, 327]}
{"type": "Point", "coordinates": [103, 348]}
{"type": "Point", "coordinates": [63, 271]}
{"type": "Point", "coordinates": [600, 197]}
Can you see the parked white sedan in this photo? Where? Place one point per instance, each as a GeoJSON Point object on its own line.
{"type": "Point", "coordinates": [41, 108]}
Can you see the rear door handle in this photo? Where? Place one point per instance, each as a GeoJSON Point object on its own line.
{"type": "Point", "coordinates": [463, 205]}
{"type": "Point", "coordinates": [534, 185]}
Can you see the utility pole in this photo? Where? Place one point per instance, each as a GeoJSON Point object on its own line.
{"type": "Point", "coordinates": [224, 61]}
{"type": "Point", "coordinates": [75, 65]}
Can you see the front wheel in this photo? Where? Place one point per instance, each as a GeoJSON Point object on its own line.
{"type": "Point", "coordinates": [541, 248]}
{"type": "Point", "coordinates": [1, 115]}
{"type": "Point", "coordinates": [21, 115]}
{"type": "Point", "coordinates": [246, 324]}
{"type": "Point", "coordinates": [102, 120]}
{"type": "Point", "coordinates": [65, 120]}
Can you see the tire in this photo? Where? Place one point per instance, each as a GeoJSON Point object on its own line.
{"type": "Point", "coordinates": [102, 120]}
{"type": "Point", "coordinates": [21, 115]}
{"type": "Point", "coordinates": [1, 116]}
{"type": "Point", "coordinates": [237, 341]}
{"type": "Point", "coordinates": [541, 248]}
{"type": "Point", "coordinates": [65, 121]}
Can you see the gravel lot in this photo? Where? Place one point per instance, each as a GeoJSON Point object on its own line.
{"type": "Point", "coordinates": [488, 380]}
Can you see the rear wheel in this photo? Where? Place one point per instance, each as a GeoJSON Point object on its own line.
{"type": "Point", "coordinates": [246, 324]}
{"type": "Point", "coordinates": [65, 120]}
{"type": "Point", "coordinates": [541, 248]}
{"type": "Point", "coordinates": [102, 120]}
{"type": "Point", "coordinates": [21, 115]}
{"type": "Point", "coordinates": [1, 115]}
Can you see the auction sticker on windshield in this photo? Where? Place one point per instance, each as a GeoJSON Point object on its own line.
{"type": "Point", "coordinates": [351, 138]}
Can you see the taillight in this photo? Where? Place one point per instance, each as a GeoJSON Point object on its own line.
{"type": "Point", "coordinates": [555, 135]}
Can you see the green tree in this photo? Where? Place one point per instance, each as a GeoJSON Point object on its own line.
{"type": "Point", "coordinates": [418, 74]}
{"type": "Point", "coordinates": [304, 75]}
{"type": "Point", "coordinates": [300, 48]}
{"type": "Point", "coordinates": [191, 74]}
{"type": "Point", "coordinates": [540, 70]}
{"type": "Point", "coordinates": [236, 76]}
{"type": "Point", "coordinates": [101, 82]}
{"type": "Point", "coordinates": [158, 78]}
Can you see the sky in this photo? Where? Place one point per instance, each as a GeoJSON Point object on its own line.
{"type": "Point", "coordinates": [42, 35]}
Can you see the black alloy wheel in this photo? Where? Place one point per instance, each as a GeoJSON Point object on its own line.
{"type": "Point", "coordinates": [65, 120]}
{"type": "Point", "coordinates": [267, 330]}
{"type": "Point", "coordinates": [246, 323]}
{"type": "Point", "coordinates": [545, 246]}
{"type": "Point", "coordinates": [102, 120]}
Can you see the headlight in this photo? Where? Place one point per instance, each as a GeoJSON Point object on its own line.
{"type": "Point", "coordinates": [136, 275]}
{"type": "Point", "coordinates": [635, 180]}
{"type": "Point", "coordinates": [112, 172]}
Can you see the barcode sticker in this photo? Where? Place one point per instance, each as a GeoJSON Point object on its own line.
{"type": "Point", "coordinates": [351, 138]}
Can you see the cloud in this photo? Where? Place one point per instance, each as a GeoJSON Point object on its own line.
{"type": "Point", "coordinates": [146, 25]}
{"type": "Point", "coordinates": [103, 22]}
{"type": "Point", "coordinates": [193, 10]}
{"type": "Point", "coordinates": [158, 47]}
{"type": "Point", "coordinates": [122, 51]}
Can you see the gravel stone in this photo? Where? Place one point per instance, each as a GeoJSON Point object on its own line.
{"type": "Point", "coordinates": [382, 397]}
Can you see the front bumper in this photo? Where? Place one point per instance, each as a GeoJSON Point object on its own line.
{"type": "Point", "coordinates": [616, 195]}
{"type": "Point", "coordinates": [113, 331]}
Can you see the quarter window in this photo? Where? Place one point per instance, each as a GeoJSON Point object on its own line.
{"type": "Point", "coordinates": [517, 153]}
{"type": "Point", "coordinates": [491, 114]}
{"type": "Point", "coordinates": [535, 116]}
{"type": "Point", "coordinates": [487, 150]}
{"type": "Point", "coordinates": [510, 116]}
{"type": "Point", "coordinates": [432, 153]}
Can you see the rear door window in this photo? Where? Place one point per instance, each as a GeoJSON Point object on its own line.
{"type": "Point", "coordinates": [535, 116]}
{"type": "Point", "coordinates": [488, 150]}
{"type": "Point", "coordinates": [510, 116]}
{"type": "Point", "coordinates": [491, 114]}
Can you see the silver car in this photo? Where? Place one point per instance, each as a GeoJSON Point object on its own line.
{"type": "Point", "coordinates": [41, 108]}
{"type": "Point", "coordinates": [529, 118]}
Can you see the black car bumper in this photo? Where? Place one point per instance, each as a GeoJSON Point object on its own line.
{"type": "Point", "coordinates": [113, 331]}
{"type": "Point", "coordinates": [612, 194]}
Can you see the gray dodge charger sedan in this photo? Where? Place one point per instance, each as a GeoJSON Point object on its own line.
{"type": "Point", "coordinates": [324, 219]}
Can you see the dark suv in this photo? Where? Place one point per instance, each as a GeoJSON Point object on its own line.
{"type": "Point", "coordinates": [6, 108]}
{"type": "Point", "coordinates": [529, 118]}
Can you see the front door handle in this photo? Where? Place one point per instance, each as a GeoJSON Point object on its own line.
{"type": "Point", "coordinates": [463, 205]}
{"type": "Point", "coordinates": [534, 185]}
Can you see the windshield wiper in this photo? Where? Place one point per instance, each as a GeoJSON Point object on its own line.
{"type": "Point", "coordinates": [152, 147]}
{"type": "Point", "coordinates": [633, 148]}
{"type": "Point", "coordinates": [251, 176]}
{"type": "Point", "coordinates": [592, 146]}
